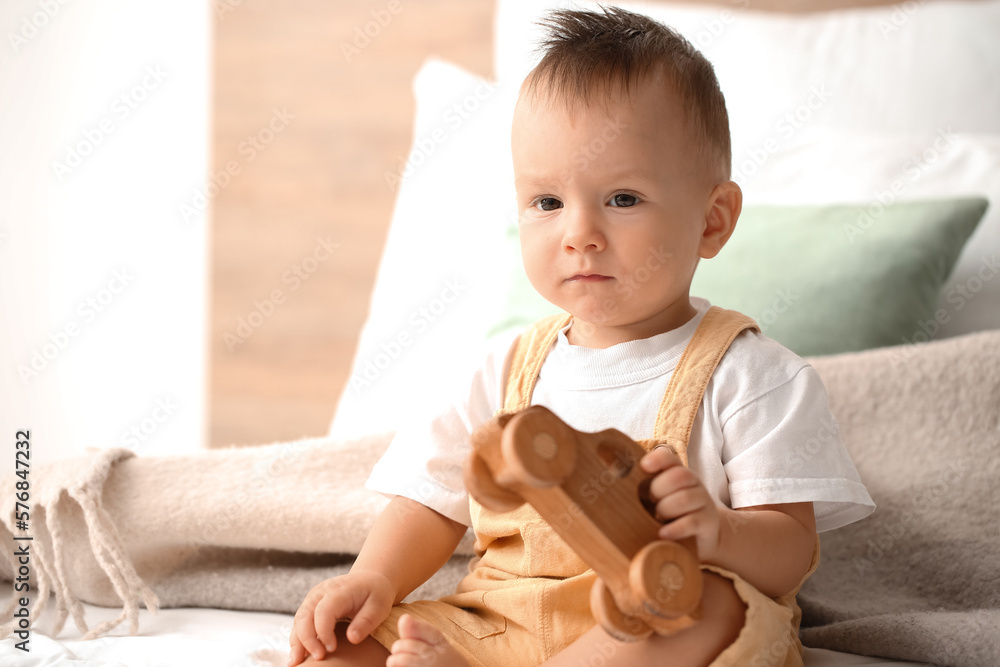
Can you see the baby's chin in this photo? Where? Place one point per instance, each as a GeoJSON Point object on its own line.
{"type": "Point", "coordinates": [589, 333]}
{"type": "Point", "coordinates": [604, 330]}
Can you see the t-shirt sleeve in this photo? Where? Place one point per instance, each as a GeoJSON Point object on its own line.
{"type": "Point", "coordinates": [784, 446]}
{"type": "Point", "coordinates": [425, 458]}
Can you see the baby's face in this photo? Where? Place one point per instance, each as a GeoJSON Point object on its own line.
{"type": "Point", "coordinates": [612, 207]}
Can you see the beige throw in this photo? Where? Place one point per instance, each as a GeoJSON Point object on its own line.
{"type": "Point", "coordinates": [247, 528]}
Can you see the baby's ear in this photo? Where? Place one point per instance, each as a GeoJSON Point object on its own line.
{"type": "Point", "coordinates": [724, 206]}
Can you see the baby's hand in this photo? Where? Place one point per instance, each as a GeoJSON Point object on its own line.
{"type": "Point", "coordinates": [682, 499]}
{"type": "Point", "coordinates": [366, 597]}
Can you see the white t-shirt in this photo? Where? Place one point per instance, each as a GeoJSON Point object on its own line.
{"type": "Point", "coordinates": [763, 435]}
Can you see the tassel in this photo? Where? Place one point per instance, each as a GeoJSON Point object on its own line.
{"type": "Point", "coordinates": [111, 556]}
{"type": "Point", "coordinates": [66, 601]}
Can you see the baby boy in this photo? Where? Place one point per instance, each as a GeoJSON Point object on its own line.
{"type": "Point", "coordinates": [654, 182]}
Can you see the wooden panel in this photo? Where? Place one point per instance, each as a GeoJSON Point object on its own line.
{"type": "Point", "coordinates": [321, 176]}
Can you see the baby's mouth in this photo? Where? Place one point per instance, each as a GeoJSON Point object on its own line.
{"type": "Point", "coordinates": [588, 278]}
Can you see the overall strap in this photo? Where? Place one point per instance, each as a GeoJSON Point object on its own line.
{"type": "Point", "coordinates": [528, 355]}
{"type": "Point", "coordinates": [686, 390]}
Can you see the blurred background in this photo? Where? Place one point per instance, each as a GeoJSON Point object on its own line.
{"type": "Point", "coordinates": [192, 207]}
{"type": "Point", "coordinates": [193, 203]}
{"type": "Point", "coordinates": [324, 178]}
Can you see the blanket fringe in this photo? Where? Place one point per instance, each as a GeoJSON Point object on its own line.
{"type": "Point", "coordinates": [113, 559]}
{"type": "Point", "coordinates": [64, 597]}
{"type": "Point", "coordinates": [49, 569]}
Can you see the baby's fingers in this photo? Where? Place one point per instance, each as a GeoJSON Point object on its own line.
{"type": "Point", "coordinates": [670, 482]}
{"type": "Point", "coordinates": [702, 524]}
{"type": "Point", "coordinates": [370, 616]}
{"type": "Point", "coordinates": [678, 529]}
{"type": "Point", "coordinates": [304, 632]}
{"type": "Point", "coordinates": [297, 653]}
{"type": "Point", "coordinates": [659, 458]}
{"type": "Point", "coordinates": [681, 502]}
{"type": "Point", "coordinates": [335, 605]}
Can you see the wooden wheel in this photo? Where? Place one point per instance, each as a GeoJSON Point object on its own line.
{"type": "Point", "coordinates": [481, 485]}
{"type": "Point", "coordinates": [607, 614]}
{"type": "Point", "coordinates": [666, 578]}
{"type": "Point", "coordinates": [538, 448]}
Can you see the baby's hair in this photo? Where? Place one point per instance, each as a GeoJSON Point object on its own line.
{"type": "Point", "coordinates": [588, 56]}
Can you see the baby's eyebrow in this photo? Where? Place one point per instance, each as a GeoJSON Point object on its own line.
{"type": "Point", "coordinates": [629, 174]}
{"type": "Point", "coordinates": [532, 181]}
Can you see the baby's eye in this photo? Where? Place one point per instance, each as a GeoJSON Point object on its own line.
{"type": "Point", "coordinates": [547, 203]}
{"type": "Point", "coordinates": [623, 200]}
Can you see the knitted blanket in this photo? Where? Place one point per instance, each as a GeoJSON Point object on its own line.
{"type": "Point", "coordinates": [256, 528]}
{"type": "Point", "coordinates": [244, 528]}
{"type": "Point", "coordinates": [920, 578]}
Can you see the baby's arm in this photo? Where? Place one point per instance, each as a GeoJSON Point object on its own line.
{"type": "Point", "coordinates": [408, 543]}
{"type": "Point", "coordinates": [770, 546]}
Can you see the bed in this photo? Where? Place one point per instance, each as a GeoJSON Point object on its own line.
{"type": "Point", "coordinates": [895, 113]}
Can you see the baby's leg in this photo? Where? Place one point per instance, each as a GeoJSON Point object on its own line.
{"type": "Point", "coordinates": [369, 653]}
{"type": "Point", "coordinates": [722, 619]}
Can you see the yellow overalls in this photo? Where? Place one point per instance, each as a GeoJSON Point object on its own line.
{"type": "Point", "coordinates": [527, 595]}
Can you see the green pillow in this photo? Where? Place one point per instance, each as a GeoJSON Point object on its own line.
{"type": "Point", "coordinates": [819, 279]}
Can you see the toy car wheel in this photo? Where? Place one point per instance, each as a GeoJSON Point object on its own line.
{"type": "Point", "coordinates": [667, 578]}
{"type": "Point", "coordinates": [620, 626]}
{"type": "Point", "coordinates": [481, 485]}
{"type": "Point", "coordinates": [538, 448]}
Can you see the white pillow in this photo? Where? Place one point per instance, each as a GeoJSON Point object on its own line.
{"type": "Point", "coordinates": [437, 283]}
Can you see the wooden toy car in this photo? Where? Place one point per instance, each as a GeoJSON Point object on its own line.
{"type": "Point", "coordinates": [590, 488]}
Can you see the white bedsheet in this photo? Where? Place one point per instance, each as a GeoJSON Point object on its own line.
{"type": "Point", "coordinates": [218, 637]}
